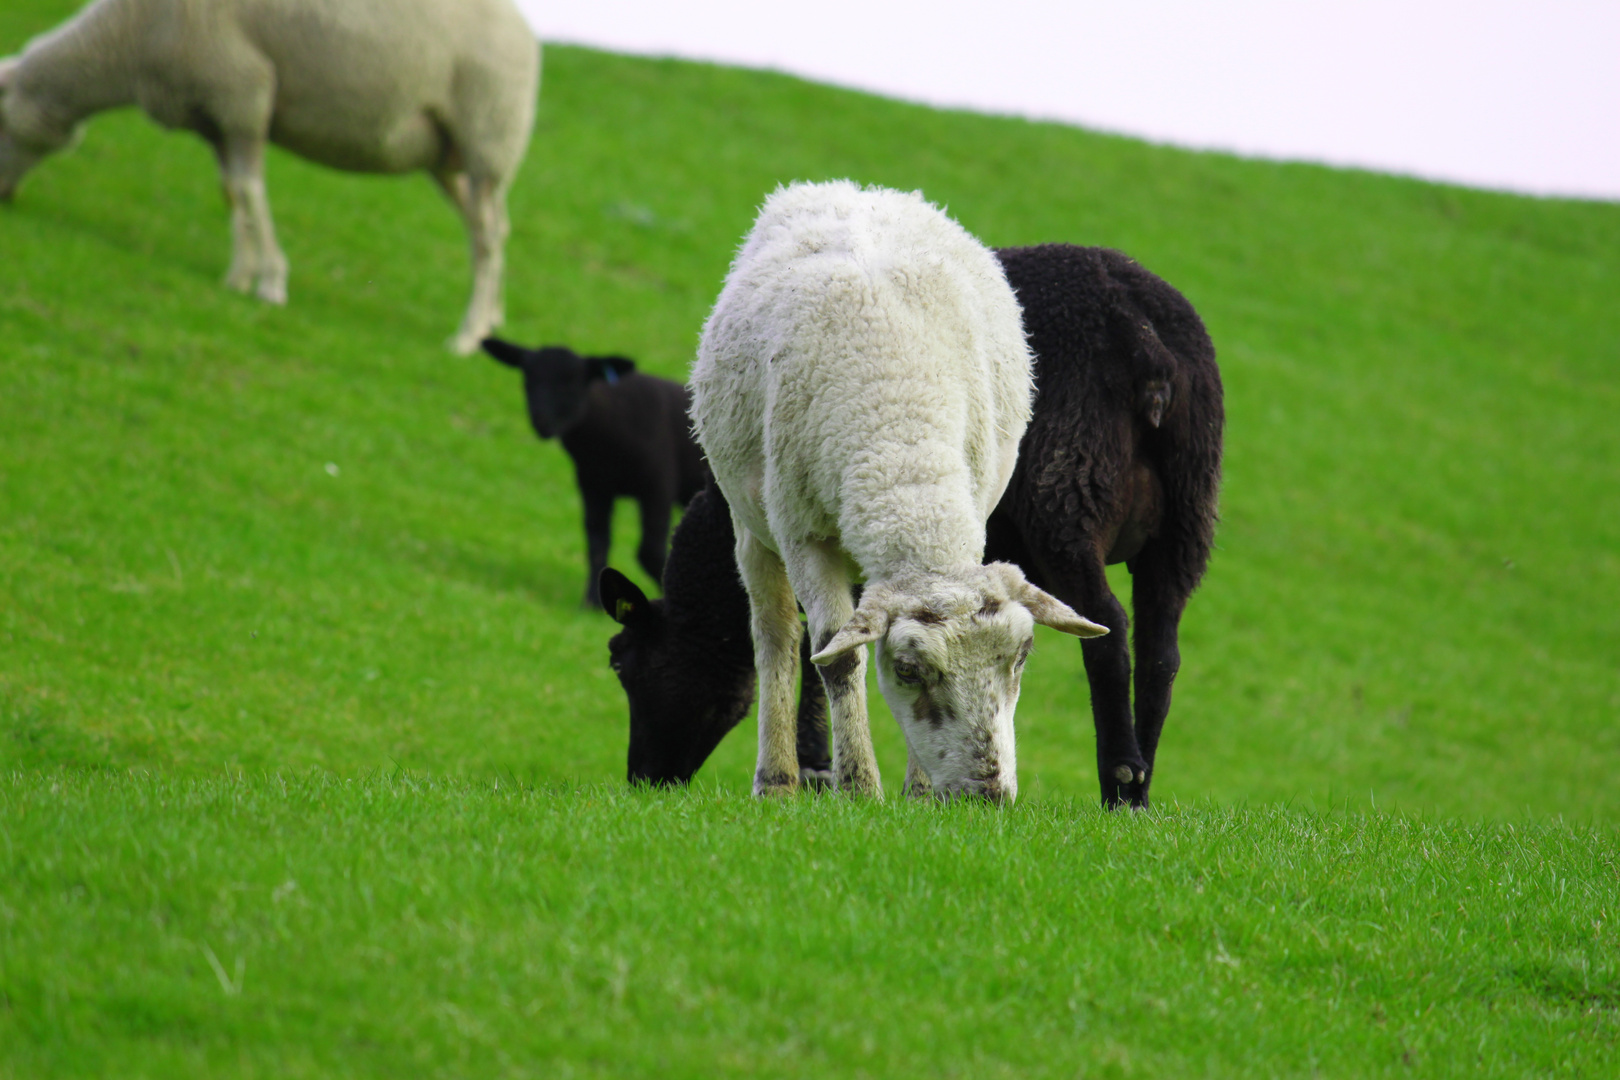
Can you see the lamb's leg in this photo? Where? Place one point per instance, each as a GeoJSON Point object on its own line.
{"type": "Point", "coordinates": [774, 620]}
{"type": "Point", "coordinates": [815, 759]}
{"type": "Point", "coordinates": [257, 262]}
{"type": "Point", "coordinates": [654, 537]}
{"type": "Point", "coordinates": [821, 581]}
{"type": "Point", "coordinates": [598, 538]}
{"type": "Point", "coordinates": [487, 228]}
{"type": "Point", "coordinates": [1159, 600]}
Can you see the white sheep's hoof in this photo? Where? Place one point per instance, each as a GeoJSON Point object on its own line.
{"type": "Point", "coordinates": [464, 343]}
{"type": "Point", "coordinates": [272, 291]}
{"type": "Point", "coordinates": [776, 786]}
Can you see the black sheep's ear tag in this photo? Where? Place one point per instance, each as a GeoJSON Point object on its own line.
{"type": "Point", "coordinates": [621, 597]}
{"type": "Point", "coordinates": [610, 369]}
{"type": "Point", "coordinates": [507, 353]}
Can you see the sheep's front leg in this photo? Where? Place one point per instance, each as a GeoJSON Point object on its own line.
{"type": "Point", "coordinates": [487, 227]}
{"type": "Point", "coordinates": [821, 580]}
{"type": "Point", "coordinates": [774, 620]}
{"type": "Point", "coordinates": [257, 263]}
{"type": "Point", "coordinates": [598, 539]}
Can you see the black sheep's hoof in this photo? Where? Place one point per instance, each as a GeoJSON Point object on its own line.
{"type": "Point", "coordinates": [1125, 784]}
{"type": "Point", "coordinates": [817, 779]}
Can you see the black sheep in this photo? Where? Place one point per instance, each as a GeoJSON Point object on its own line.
{"type": "Point", "coordinates": [628, 436]}
{"type": "Point", "coordinates": [1121, 463]}
{"type": "Point", "coordinates": [686, 661]}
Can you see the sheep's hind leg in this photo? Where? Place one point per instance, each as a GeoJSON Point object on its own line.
{"type": "Point", "coordinates": [822, 583]}
{"type": "Point", "coordinates": [484, 211]}
{"type": "Point", "coordinates": [1159, 600]}
{"type": "Point", "coordinates": [257, 263]}
{"type": "Point", "coordinates": [1121, 768]}
{"type": "Point", "coordinates": [774, 619]}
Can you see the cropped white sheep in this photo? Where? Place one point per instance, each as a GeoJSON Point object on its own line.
{"type": "Point", "coordinates": [860, 390]}
{"type": "Point", "coordinates": [388, 86]}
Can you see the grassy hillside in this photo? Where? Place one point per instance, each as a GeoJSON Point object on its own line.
{"type": "Point", "coordinates": [1413, 598]}
{"type": "Point", "coordinates": [292, 674]}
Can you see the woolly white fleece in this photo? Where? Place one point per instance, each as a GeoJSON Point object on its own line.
{"type": "Point", "coordinates": [446, 86]}
{"type": "Point", "coordinates": [864, 376]}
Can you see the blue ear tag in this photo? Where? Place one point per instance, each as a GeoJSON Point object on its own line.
{"type": "Point", "coordinates": [610, 374]}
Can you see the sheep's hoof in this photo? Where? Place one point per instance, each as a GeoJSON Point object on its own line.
{"type": "Point", "coordinates": [272, 291]}
{"type": "Point", "coordinates": [774, 785]}
{"type": "Point", "coordinates": [1124, 785]}
{"type": "Point", "coordinates": [464, 343]}
{"type": "Point", "coordinates": [863, 786]}
{"type": "Point", "coordinates": [817, 779]}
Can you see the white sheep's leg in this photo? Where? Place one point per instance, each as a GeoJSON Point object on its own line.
{"type": "Point", "coordinates": [775, 625]}
{"type": "Point", "coordinates": [821, 580]}
{"type": "Point", "coordinates": [487, 227]}
{"type": "Point", "coordinates": [257, 262]}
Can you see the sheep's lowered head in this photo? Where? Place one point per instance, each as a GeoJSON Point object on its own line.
{"type": "Point", "coordinates": [30, 131]}
{"type": "Point", "coordinates": [557, 381]}
{"type": "Point", "coordinates": [680, 708]}
{"type": "Point", "coordinates": [950, 655]}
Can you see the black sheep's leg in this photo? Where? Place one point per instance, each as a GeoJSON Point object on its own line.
{"type": "Point", "coordinates": [1121, 768]}
{"type": "Point", "coordinates": [815, 758]}
{"type": "Point", "coordinates": [1158, 599]}
{"type": "Point", "coordinates": [654, 537]}
{"type": "Point", "coordinates": [598, 536]}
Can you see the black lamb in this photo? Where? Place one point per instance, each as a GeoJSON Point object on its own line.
{"type": "Point", "coordinates": [1121, 463]}
{"type": "Point", "coordinates": [687, 662]}
{"type": "Point", "coordinates": [628, 436]}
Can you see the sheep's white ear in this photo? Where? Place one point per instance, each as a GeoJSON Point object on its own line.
{"type": "Point", "coordinates": [1047, 609]}
{"type": "Point", "coordinates": [867, 625]}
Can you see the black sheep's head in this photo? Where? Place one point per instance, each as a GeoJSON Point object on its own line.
{"type": "Point", "coordinates": [681, 702]}
{"type": "Point", "coordinates": [557, 381]}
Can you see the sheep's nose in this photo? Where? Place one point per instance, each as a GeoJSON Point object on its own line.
{"type": "Point", "coordinates": [991, 790]}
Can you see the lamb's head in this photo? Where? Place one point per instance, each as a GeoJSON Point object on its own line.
{"type": "Point", "coordinates": [950, 656]}
{"type": "Point", "coordinates": [557, 381]}
{"type": "Point", "coordinates": [682, 702]}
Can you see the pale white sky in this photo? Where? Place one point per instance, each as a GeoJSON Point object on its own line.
{"type": "Point", "coordinates": [1517, 96]}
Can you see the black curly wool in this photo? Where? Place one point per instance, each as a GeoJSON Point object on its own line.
{"type": "Point", "coordinates": [1121, 462]}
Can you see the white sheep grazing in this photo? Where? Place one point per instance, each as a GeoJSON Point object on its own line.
{"type": "Point", "coordinates": [390, 86]}
{"type": "Point", "coordinates": [860, 390]}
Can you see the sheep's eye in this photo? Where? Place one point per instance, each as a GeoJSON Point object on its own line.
{"type": "Point", "coordinates": [1018, 664]}
{"type": "Point", "coordinates": [907, 672]}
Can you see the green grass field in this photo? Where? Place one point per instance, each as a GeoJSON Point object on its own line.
{"type": "Point", "coordinates": [289, 596]}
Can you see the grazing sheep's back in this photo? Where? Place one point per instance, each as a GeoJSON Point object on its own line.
{"type": "Point", "coordinates": [864, 376]}
{"type": "Point", "coordinates": [1103, 327]}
